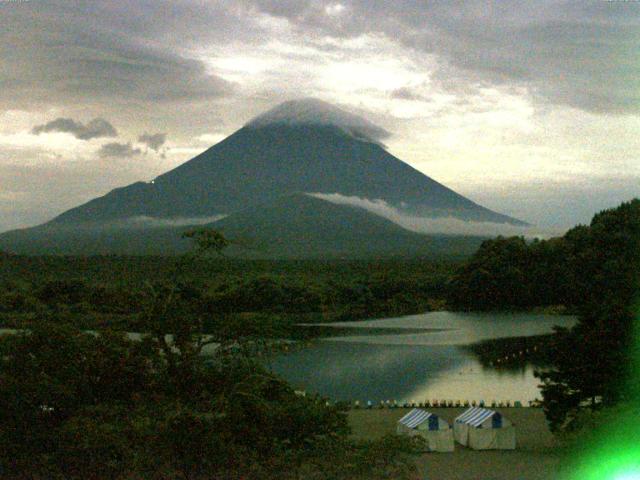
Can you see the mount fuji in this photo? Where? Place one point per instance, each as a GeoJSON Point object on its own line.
{"type": "Point", "coordinates": [286, 161]}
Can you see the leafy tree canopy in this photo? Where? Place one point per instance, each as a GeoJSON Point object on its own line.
{"type": "Point", "coordinates": [102, 405]}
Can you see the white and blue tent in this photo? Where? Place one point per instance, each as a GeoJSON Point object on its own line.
{"type": "Point", "coordinates": [436, 431]}
{"type": "Point", "coordinates": [483, 429]}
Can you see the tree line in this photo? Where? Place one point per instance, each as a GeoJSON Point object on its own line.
{"type": "Point", "coordinates": [515, 273]}
{"type": "Point", "coordinates": [593, 269]}
{"type": "Point", "coordinates": [104, 292]}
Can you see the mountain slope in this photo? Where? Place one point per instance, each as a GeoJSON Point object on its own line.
{"type": "Point", "coordinates": [55, 239]}
{"type": "Point", "coordinates": [300, 226]}
{"type": "Point", "coordinates": [292, 226]}
{"type": "Point", "coordinates": [276, 155]}
{"type": "Point", "coordinates": [256, 177]}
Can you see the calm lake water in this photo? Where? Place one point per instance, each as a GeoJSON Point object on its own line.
{"type": "Point", "coordinates": [427, 362]}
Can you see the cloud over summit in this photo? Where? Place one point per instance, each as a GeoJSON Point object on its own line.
{"type": "Point", "coordinates": [311, 111]}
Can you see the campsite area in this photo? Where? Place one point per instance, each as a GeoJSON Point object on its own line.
{"type": "Point", "coordinates": [537, 453]}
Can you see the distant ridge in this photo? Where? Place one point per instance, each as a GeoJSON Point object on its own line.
{"type": "Point", "coordinates": [294, 226]}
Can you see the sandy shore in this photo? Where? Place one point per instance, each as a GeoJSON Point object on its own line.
{"type": "Point", "coordinates": [537, 455]}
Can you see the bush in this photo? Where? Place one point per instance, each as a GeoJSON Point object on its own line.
{"type": "Point", "coordinates": [75, 405]}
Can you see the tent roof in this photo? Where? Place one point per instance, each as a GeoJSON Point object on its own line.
{"type": "Point", "coordinates": [416, 417]}
{"type": "Point", "coordinates": [475, 416]}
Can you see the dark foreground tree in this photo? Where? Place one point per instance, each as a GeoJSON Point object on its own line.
{"type": "Point", "coordinates": [78, 405]}
{"type": "Point", "coordinates": [594, 362]}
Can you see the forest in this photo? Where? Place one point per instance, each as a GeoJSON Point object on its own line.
{"type": "Point", "coordinates": [107, 291]}
{"type": "Point", "coordinates": [594, 269]}
{"type": "Point", "coordinates": [517, 274]}
{"type": "Point", "coordinates": [77, 404]}
{"type": "Point", "coordinates": [96, 292]}
{"type": "Point", "coordinates": [567, 271]}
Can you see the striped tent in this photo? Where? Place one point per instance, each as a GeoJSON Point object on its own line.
{"type": "Point", "coordinates": [436, 431]}
{"type": "Point", "coordinates": [483, 429]}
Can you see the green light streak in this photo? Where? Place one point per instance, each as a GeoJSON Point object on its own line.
{"type": "Point", "coordinates": [613, 451]}
{"type": "Point", "coordinates": [611, 465]}
{"type": "Point", "coordinates": [628, 476]}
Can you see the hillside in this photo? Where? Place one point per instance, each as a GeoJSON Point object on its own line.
{"type": "Point", "coordinates": [302, 226]}
{"type": "Point", "coordinates": [293, 226]}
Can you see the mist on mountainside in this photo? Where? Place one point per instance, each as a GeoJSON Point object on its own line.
{"type": "Point", "coordinates": [446, 224]}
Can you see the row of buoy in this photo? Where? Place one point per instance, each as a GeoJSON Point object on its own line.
{"type": "Point", "coordinates": [391, 404]}
{"type": "Point", "coordinates": [513, 356]}
{"type": "Point", "coordinates": [440, 404]}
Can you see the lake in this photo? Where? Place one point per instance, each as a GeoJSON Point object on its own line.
{"type": "Point", "coordinates": [415, 358]}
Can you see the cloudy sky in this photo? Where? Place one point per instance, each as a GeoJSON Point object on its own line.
{"type": "Point", "coordinates": [531, 108]}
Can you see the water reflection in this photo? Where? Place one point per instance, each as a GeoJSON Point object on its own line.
{"type": "Point", "coordinates": [418, 366]}
{"type": "Point", "coordinates": [402, 372]}
{"type": "Point", "coordinates": [449, 328]}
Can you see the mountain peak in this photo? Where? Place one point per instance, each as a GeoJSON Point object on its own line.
{"type": "Point", "coordinates": [312, 111]}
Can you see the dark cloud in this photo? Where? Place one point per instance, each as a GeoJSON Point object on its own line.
{"type": "Point", "coordinates": [574, 53]}
{"type": "Point", "coordinates": [96, 128]}
{"type": "Point", "coordinates": [55, 53]}
{"type": "Point", "coordinates": [116, 149]}
{"type": "Point", "coordinates": [111, 72]}
{"type": "Point", "coordinates": [568, 52]}
{"type": "Point", "coordinates": [153, 141]}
